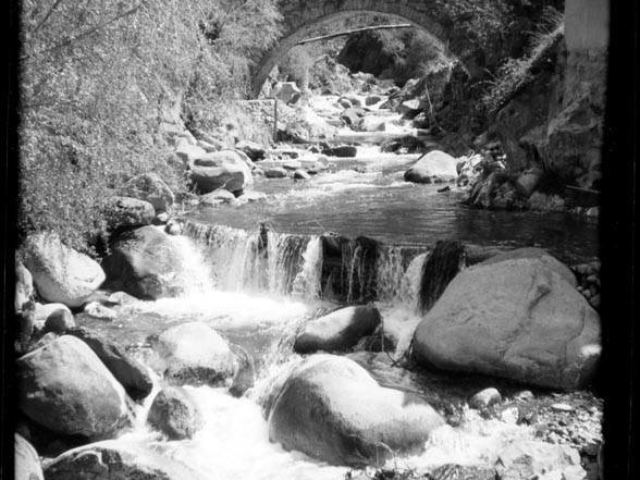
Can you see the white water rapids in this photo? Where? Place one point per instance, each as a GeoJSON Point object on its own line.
{"type": "Point", "coordinates": [230, 285]}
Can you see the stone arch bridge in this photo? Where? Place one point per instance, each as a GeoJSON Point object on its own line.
{"type": "Point", "coordinates": [586, 24]}
{"type": "Point", "coordinates": [300, 16]}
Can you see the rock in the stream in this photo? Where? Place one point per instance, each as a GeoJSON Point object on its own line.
{"type": "Point", "coordinates": [435, 167]}
{"type": "Point", "coordinates": [143, 263]}
{"type": "Point", "coordinates": [217, 197]}
{"type": "Point", "coordinates": [245, 374]}
{"type": "Point", "coordinates": [275, 172]}
{"type": "Point", "coordinates": [331, 409]}
{"type": "Point", "coordinates": [516, 318]}
{"type": "Point", "coordinates": [128, 212]}
{"type": "Point", "coordinates": [352, 116]}
{"type": "Point", "coordinates": [64, 387]}
{"type": "Point", "coordinates": [193, 353]}
{"type": "Point", "coordinates": [59, 320]}
{"type": "Point", "coordinates": [27, 463]}
{"type": "Point", "coordinates": [60, 273]}
{"type": "Point", "coordinates": [117, 460]}
{"type": "Point", "coordinates": [99, 311]}
{"type": "Point", "coordinates": [404, 144]}
{"type": "Point", "coordinates": [175, 413]}
{"type": "Point", "coordinates": [131, 374]}
{"type": "Point", "coordinates": [151, 188]}
{"type": "Point", "coordinates": [301, 175]}
{"type": "Point", "coordinates": [485, 398]}
{"type": "Point", "coordinates": [533, 459]}
{"type": "Point", "coordinates": [339, 330]}
{"type": "Point", "coordinates": [343, 151]}
{"type": "Point", "coordinates": [225, 169]}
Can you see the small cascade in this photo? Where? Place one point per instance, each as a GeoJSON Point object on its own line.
{"type": "Point", "coordinates": [307, 282]}
{"type": "Point", "coordinates": [398, 270]}
{"type": "Point", "coordinates": [286, 260]}
{"type": "Point", "coordinates": [347, 271]}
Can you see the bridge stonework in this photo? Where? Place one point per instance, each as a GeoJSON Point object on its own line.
{"type": "Point", "coordinates": [299, 17]}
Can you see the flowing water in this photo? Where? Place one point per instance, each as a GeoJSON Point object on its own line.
{"type": "Point", "coordinates": [256, 272]}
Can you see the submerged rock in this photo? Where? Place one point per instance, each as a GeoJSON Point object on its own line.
{"type": "Point", "coordinates": [515, 318]}
{"type": "Point", "coordinates": [60, 273]}
{"type": "Point", "coordinates": [116, 460]}
{"type": "Point", "coordinates": [331, 409]}
{"type": "Point", "coordinates": [194, 353]}
{"type": "Point", "coordinates": [175, 414]}
{"type": "Point", "coordinates": [64, 387]}
{"type": "Point", "coordinates": [339, 330]}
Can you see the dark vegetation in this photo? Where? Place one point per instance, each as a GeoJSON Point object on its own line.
{"type": "Point", "coordinates": [104, 85]}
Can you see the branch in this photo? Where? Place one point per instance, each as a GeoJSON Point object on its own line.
{"type": "Point", "coordinates": [357, 30]}
{"type": "Point", "coordinates": [87, 33]}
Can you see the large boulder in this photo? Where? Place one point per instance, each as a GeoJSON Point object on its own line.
{"type": "Point", "coordinates": [151, 188]}
{"type": "Point", "coordinates": [27, 463]}
{"type": "Point", "coordinates": [339, 330]}
{"type": "Point", "coordinates": [434, 167]}
{"type": "Point", "coordinates": [516, 318]}
{"type": "Point", "coordinates": [60, 273]}
{"type": "Point", "coordinates": [117, 460]}
{"type": "Point", "coordinates": [194, 353]}
{"type": "Point", "coordinates": [64, 387]}
{"type": "Point", "coordinates": [130, 373]}
{"type": "Point", "coordinates": [331, 409]}
{"type": "Point", "coordinates": [174, 413]}
{"type": "Point", "coordinates": [225, 169]}
{"type": "Point", "coordinates": [144, 263]}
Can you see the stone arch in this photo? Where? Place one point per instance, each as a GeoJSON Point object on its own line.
{"type": "Point", "coordinates": [301, 16]}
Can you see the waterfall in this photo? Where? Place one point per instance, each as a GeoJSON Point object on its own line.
{"type": "Point", "coordinates": [330, 266]}
{"type": "Point", "coordinates": [307, 282]}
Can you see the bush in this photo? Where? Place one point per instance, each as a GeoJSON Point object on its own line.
{"type": "Point", "coordinates": [100, 78]}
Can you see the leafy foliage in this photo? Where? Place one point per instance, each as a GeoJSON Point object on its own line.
{"type": "Point", "coordinates": [100, 78]}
